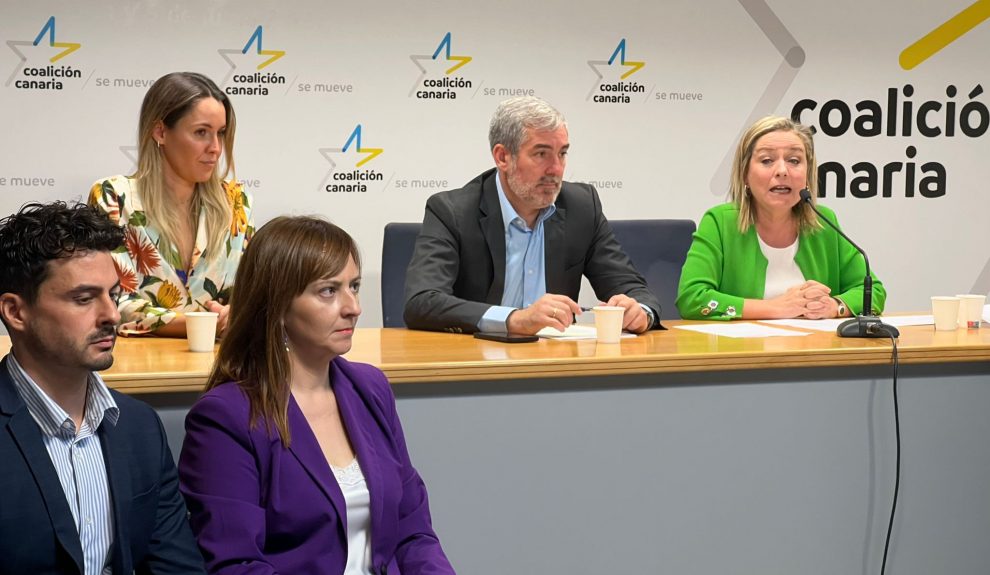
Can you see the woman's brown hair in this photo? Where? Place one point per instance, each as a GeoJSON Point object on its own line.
{"type": "Point", "coordinates": [284, 257]}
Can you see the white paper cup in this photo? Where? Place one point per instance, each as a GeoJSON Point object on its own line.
{"type": "Point", "coordinates": [946, 312]}
{"type": "Point", "coordinates": [971, 310]}
{"type": "Point", "coordinates": [608, 323]}
{"type": "Point", "coordinates": [201, 330]}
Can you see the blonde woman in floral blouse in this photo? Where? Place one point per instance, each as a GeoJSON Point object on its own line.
{"type": "Point", "coordinates": [186, 225]}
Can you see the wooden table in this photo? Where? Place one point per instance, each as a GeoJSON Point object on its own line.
{"type": "Point", "coordinates": [161, 365]}
{"type": "Point", "coordinates": [673, 452]}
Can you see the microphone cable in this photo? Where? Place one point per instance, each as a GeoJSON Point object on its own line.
{"type": "Point", "coordinates": [897, 435]}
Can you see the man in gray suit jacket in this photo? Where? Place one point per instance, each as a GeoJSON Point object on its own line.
{"type": "Point", "coordinates": [507, 251]}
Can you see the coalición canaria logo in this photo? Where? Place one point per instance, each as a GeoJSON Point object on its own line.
{"type": "Point", "coordinates": [251, 82]}
{"type": "Point", "coordinates": [429, 86]}
{"type": "Point", "coordinates": [961, 113]}
{"type": "Point", "coordinates": [355, 179]}
{"type": "Point", "coordinates": [48, 76]}
{"type": "Point", "coordinates": [613, 86]}
{"type": "Point", "coordinates": [899, 115]}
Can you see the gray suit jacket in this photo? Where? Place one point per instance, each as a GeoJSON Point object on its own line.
{"type": "Point", "coordinates": [458, 267]}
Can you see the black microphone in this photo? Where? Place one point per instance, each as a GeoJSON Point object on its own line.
{"type": "Point", "coordinates": [865, 324]}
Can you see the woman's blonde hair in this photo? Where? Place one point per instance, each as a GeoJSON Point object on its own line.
{"type": "Point", "coordinates": [284, 257]}
{"type": "Point", "coordinates": [169, 99]}
{"type": "Point", "coordinates": [738, 191]}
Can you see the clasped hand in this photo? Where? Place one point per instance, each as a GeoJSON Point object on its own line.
{"type": "Point", "coordinates": [811, 300]}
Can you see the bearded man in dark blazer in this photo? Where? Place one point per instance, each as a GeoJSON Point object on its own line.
{"type": "Point", "coordinates": [506, 252]}
{"type": "Point", "coordinates": [87, 482]}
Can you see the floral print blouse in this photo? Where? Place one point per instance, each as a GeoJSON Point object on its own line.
{"type": "Point", "coordinates": [155, 286]}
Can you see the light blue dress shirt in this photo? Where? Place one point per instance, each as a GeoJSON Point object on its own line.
{"type": "Point", "coordinates": [525, 263]}
{"type": "Point", "coordinates": [78, 460]}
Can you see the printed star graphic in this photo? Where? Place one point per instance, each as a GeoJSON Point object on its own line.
{"type": "Point", "coordinates": [370, 154]}
{"type": "Point", "coordinates": [12, 44]}
{"type": "Point", "coordinates": [223, 54]}
{"type": "Point", "coordinates": [271, 56]}
{"type": "Point", "coordinates": [596, 64]}
{"type": "Point", "coordinates": [131, 153]}
{"type": "Point", "coordinates": [461, 61]}
{"type": "Point", "coordinates": [325, 152]}
{"type": "Point", "coordinates": [422, 71]}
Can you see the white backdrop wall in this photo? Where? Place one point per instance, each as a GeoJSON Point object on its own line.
{"type": "Point", "coordinates": [708, 69]}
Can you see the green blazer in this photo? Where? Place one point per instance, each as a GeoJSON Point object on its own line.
{"type": "Point", "coordinates": [725, 267]}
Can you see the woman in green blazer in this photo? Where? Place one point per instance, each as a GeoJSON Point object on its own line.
{"type": "Point", "coordinates": [765, 255]}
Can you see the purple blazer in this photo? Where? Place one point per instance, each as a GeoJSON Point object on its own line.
{"type": "Point", "coordinates": [258, 507]}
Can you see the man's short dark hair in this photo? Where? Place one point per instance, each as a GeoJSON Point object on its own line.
{"type": "Point", "coordinates": [39, 233]}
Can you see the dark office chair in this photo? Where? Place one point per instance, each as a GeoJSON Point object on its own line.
{"type": "Point", "coordinates": [397, 250]}
{"type": "Point", "coordinates": [658, 249]}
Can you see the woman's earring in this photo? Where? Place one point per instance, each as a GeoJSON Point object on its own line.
{"type": "Point", "coordinates": [159, 144]}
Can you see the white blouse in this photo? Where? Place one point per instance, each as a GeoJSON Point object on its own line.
{"type": "Point", "coordinates": [357, 501]}
{"type": "Point", "coordinates": [782, 271]}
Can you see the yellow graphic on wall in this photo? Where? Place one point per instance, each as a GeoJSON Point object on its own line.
{"type": "Point", "coordinates": [49, 28]}
{"type": "Point", "coordinates": [355, 138]}
{"type": "Point", "coordinates": [950, 31]}
{"type": "Point", "coordinates": [257, 37]}
{"type": "Point", "coordinates": [620, 52]}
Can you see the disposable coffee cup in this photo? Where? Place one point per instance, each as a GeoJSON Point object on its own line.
{"type": "Point", "coordinates": [946, 312]}
{"type": "Point", "coordinates": [608, 323]}
{"type": "Point", "coordinates": [201, 330]}
{"type": "Point", "coordinates": [971, 310]}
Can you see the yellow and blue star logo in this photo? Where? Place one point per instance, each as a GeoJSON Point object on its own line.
{"type": "Point", "coordinates": [618, 57]}
{"type": "Point", "coordinates": [353, 143]}
{"type": "Point", "coordinates": [442, 48]}
{"type": "Point", "coordinates": [47, 30]}
{"type": "Point", "coordinates": [618, 54]}
{"type": "Point", "coordinates": [256, 40]}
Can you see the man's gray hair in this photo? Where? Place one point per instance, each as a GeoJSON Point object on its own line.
{"type": "Point", "coordinates": [513, 116]}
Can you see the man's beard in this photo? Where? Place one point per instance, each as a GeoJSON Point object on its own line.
{"type": "Point", "coordinates": [47, 346]}
{"type": "Point", "coordinates": [529, 192]}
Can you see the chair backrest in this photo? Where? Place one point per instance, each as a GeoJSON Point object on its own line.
{"type": "Point", "coordinates": [658, 249]}
{"type": "Point", "coordinates": [397, 250]}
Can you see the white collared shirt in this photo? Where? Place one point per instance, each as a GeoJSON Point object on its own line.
{"type": "Point", "coordinates": [77, 456]}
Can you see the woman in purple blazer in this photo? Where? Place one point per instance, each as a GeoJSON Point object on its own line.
{"type": "Point", "coordinates": [294, 461]}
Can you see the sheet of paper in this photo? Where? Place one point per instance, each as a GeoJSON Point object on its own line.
{"type": "Point", "coordinates": [813, 324]}
{"type": "Point", "coordinates": [574, 331]}
{"type": "Point", "coordinates": [741, 329]}
{"type": "Point", "coordinates": [832, 324]}
{"type": "Point", "coordinates": [903, 320]}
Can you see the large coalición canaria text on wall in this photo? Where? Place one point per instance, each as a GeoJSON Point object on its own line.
{"type": "Point", "coordinates": [898, 116]}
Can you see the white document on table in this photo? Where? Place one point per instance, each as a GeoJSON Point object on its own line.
{"type": "Point", "coordinates": [813, 324]}
{"type": "Point", "coordinates": [574, 331]}
{"type": "Point", "coordinates": [903, 320]}
{"type": "Point", "coordinates": [832, 324]}
{"type": "Point", "coordinates": [741, 329]}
